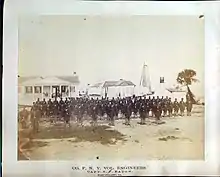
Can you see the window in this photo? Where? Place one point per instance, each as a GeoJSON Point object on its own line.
{"type": "Point", "coordinates": [161, 79]}
{"type": "Point", "coordinates": [72, 89]}
{"type": "Point", "coordinates": [28, 89]}
{"type": "Point", "coordinates": [63, 89]}
{"type": "Point", "coordinates": [37, 89]}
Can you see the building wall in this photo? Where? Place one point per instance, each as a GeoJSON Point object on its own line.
{"type": "Point", "coordinates": [25, 98]}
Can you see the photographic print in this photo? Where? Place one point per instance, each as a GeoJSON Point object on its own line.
{"type": "Point", "coordinates": [111, 87]}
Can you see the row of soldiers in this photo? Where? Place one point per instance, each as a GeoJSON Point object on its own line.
{"type": "Point", "coordinates": [94, 108]}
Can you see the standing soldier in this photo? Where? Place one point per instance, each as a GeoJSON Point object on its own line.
{"type": "Point", "coordinates": [23, 117]}
{"type": "Point", "coordinates": [189, 107]}
{"type": "Point", "coordinates": [164, 107]}
{"type": "Point", "coordinates": [49, 108]}
{"type": "Point", "coordinates": [111, 113]}
{"type": "Point", "coordinates": [67, 114]}
{"type": "Point", "coordinates": [170, 107]}
{"type": "Point", "coordinates": [94, 113]}
{"type": "Point", "coordinates": [176, 107]}
{"type": "Point", "coordinates": [81, 112]}
{"type": "Point", "coordinates": [44, 107]}
{"type": "Point", "coordinates": [158, 111]}
{"type": "Point", "coordinates": [142, 112]}
{"type": "Point", "coordinates": [55, 109]}
{"type": "Point", "coordinates": [128, 112]}
{"type": "Point", "coordinates": [35, 118]}
{"type": "Point", "coordinates": [61, 108]}
{"type": "Point", "coordinates": [182, 107]}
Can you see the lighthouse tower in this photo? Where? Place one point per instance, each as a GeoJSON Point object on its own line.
{"type": "Point", "coordinates": [145, 83]}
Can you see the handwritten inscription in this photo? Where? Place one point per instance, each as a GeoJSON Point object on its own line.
{"type": "Point", "coordinates": [109, 170]}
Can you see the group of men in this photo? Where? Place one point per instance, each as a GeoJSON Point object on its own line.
{"type": "Point", "coordinates": [81, 108]}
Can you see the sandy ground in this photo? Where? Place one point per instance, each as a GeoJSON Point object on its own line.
{"type": "Point", "coordinates": [180, 138]}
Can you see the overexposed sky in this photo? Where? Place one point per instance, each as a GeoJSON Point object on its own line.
{"type": "Point", "coordinates": [110, 48]}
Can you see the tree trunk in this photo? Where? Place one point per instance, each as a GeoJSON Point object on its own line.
{"type": "Point", "coordinates": [191, 96]}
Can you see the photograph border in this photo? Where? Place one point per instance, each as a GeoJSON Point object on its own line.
{"type": "Point", "coordinates": [14, 9]}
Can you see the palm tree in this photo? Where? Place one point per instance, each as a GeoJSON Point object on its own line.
{"type": "Point", "coordinates": [186, 78]}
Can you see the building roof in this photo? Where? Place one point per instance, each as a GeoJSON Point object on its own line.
{"type": "Point", "coordinates": [47, 81]}
{"type": "Point", "coordinates": [38, 79]}
{"type": "Point", "coordinates": [72, 79]}
{"type": "Point", "coordinates": [121, 82]}
{"type": "Point", "coordinates": [23, 79]}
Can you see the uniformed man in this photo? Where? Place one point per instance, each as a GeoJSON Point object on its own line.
{"type": "Point", "coordinates": [49, 108]}
{"type": "Point", "coordinates": [110, 113]}
{"type": "Point", "coordinates": [61, 108]}
{"type": "Point", "coordinates": [44, 107]}
{"type": "Point", "coordinates": [23, 117]}
{"type": "Point", "coordinates": [182, 107]}
{"type": "Point", "coordinates": [158, 111]}
{"type": "Point", "coordinates": [164, 107]}
{"type": "Point", "coordinates": [189, 107]}
{"type": "Point", "coordinates": [170, 107]}
{"type": "Point", "coordinates": [67, 114]}
{"type": "Point", "coordinates": [176, 107]}
{"type": "Point", "coordinates": [94, 113]}
{"type": "Point", "coordinates": [128, 112]}
{"type": "Point", "coordinates": [55, 110]}
{"type": "Point", "coordinates": [142, 112]}
{"type": "Point", "coordinates": [35, 115]}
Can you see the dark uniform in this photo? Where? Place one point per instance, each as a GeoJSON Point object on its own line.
{"type": "Point", "coordinates": [170, 107]}
{"type": "Point", "coordinates": [142, 112]}
{"type": "Point", "coordinates": [94, 112]}
{"type": "Point", "coordinates": [189, 107]}
{"type": "Point", "coordinates": [23, 116]}
{"type": "Point", "coordinates": [44, 107]}
{"type": "Point", "coordinates": [128, 112]}
{"type": "Point", "coordinates": [182, 107]}
{"type": "Point", "coordinates": [49, 108]}
{"type": "Point", "coordinates": [61, 108]}
{"type": "Point", "coordinates": [111, 113]}
{"type": "Point", "coordinates": [67, 113]}
{"type": "Point", "coordinates": [55, 110]}
{"type": "Point", "coordinates": [176, 107]}
{"type": "Point", "coordinates": [158, 110]}
{"type": "Point", "coordinates": [35, 115]}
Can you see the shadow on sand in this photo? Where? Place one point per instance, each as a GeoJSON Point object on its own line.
{"type": "Point", "coordinates": [101, 134]}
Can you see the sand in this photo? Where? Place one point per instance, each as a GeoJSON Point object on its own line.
{"type": "Point", "coordinates": [179, 138]}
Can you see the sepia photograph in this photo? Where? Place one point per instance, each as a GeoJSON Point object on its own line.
{"type": "Point", "coordinates": [111, 87]}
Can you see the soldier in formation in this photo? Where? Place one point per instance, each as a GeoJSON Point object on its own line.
{"type": "Point", "coordinates": [97, 108]}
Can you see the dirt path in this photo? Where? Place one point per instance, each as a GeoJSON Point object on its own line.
{"type": "Point", "coordinates": [179, 138]}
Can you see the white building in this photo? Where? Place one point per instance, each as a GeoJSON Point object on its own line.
{"type": "Point", "coordinates": [122, 88]}
{"type": "Point", "coordinates": [31, 88]}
